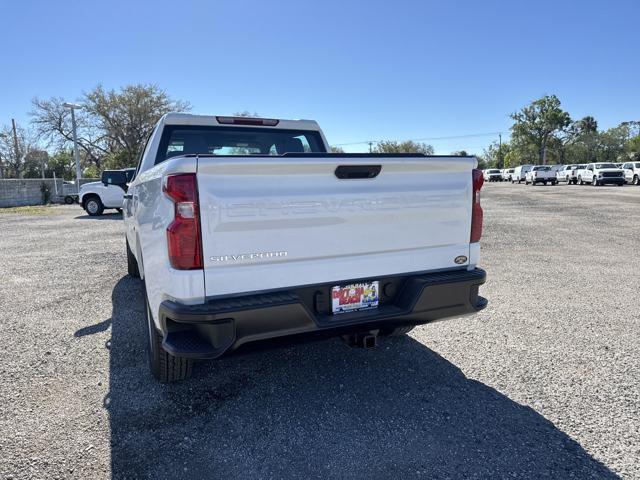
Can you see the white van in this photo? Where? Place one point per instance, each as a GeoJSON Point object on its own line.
{"type": "Point", "coordinates": [519, 173]}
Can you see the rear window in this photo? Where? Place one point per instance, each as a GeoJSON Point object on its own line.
{"type": "Point", "coordinates": [541, 169]}
{"type": "Point", "coordinates": [114, 177]}
{"type": "Point", "coordinates": [183, 140]}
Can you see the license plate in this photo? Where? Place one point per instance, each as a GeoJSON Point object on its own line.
{"type": "Point", "coordinates": [358, 296]}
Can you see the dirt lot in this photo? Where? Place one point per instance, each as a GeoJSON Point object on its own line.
{"type": "Point", "coordinates": [545, 383]}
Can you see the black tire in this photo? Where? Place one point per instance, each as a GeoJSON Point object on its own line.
{"type": "Point", "coordinates": [164, 367]}
{"type": "Point", "coordinates": [544, 182]}
{"type": "Point", "coordinates": [636, 180]}
{"type": "Point", "coordinates": [69, 200]}
{"type": "Point", "coordinates": [398, 331]}
{"type": "Point", "coordinates": [580, 181]}
{"type": "Point", "coordinates": [554, 182]}
{"type": "Point", "coordinates": [594, 182]}
{"type": "Point", "coordinates": [93, 206]}
{"type": "Point", "coordinates": [132, 263]}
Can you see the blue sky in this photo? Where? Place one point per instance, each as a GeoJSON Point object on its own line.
{"type": "Point", "coordinates": [363, 69]}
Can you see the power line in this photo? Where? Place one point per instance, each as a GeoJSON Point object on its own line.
{"type": "Point", "coordinates": [451, 137]}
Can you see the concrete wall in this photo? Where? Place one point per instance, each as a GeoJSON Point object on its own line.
{"type": "Point", "coordinates": [22, 192]}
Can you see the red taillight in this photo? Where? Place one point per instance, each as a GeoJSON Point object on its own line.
{"type": "Point", "coordinates": [476, 209]}
{"type": "Point", "coordinates": [183, 234]}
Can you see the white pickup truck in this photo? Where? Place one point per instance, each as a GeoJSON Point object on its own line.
{"type": "Point", "coordinates": [492, 175]}
{"type": "Point", "coordinates": [540, 174]}
{"type": "Point", "coordinates": [109, 192]}
{"type": "Point", "coordinates": [246, 229]}
{"type": "Point", "coordinates": [601, 174]}
{"type": "Point", "coordinates": [632, 172]}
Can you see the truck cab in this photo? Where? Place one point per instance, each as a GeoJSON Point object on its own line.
{"type": "Point", "coordinates": [95, 197]}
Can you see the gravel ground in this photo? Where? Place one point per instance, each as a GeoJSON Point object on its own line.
{"type": "Point", "coordinates": [544, 383]}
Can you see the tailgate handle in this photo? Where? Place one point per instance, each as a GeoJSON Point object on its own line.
{"type": "Point", "coordinates": [347, 172]}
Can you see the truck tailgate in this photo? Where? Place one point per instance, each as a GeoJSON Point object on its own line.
{"type": "Point", "coordinates": [275, 222]}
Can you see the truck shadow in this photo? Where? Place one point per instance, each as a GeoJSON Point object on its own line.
{"type": "Point", "coordinates": [103, 217]}
{"type": "Point", "coordinates": [321, 410]}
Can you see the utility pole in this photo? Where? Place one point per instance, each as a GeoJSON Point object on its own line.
{"type": "Point", "coordinates": [370, 147]}
{"type": "Point", "coordinates": [500, 151]}
{"type": "Point", "coordinates": [16, 148]}
{"type": "Point", "coordinates": [76, 152]}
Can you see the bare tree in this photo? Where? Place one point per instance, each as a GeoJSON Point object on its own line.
{"type": "Point", "coordinates": [13, 161]}
{"type": "Point", "coordinates": [112, 126]}
{"type": "Point", "coordinates": [52, 123]}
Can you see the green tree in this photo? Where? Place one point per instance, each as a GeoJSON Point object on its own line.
{"type": "Point", "coordinates": [611, 143]}
{"type": "Point", "coordinates": [62, 163]}
{"type": "Point", "coordinates": [337, 149]}
{"type": "Point", "coordinates": [538, 123]}
{"type": "Point", "coordinates": [632, 148]}
{"type": "Point", "coordinates": [495, 154]}
{"type": "Point", "coordinates": [408, 146]}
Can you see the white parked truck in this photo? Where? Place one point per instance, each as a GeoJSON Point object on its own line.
{"type": "Point", "coordinates": [601, 174]}
{"type": "Point", "coordinates": [507, 173]}
{"type": "Point", "coordinates": [541, 174]}
{"type": "Point", "coordinates": [247, 229]}
{"type": "Point", "coordinates": [569, 174]}
{"type": "Point", "coordinates": [109, 192]}
{"type": "Point", "coordinates": [631, 172]}
{"type": "Point", "coordinates": [492, 175]}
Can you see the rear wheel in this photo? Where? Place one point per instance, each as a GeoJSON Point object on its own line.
{"type": "Point", "coordinates": [69, 200]}
{"type": "Point", "coordinates": [580, 181]}
{"type": "Point", "coordinates": [132, 263]}
{"type": "Point", "coordinates": [594, 182]}
{"type": "Point", "coordinates": [94, 206]}
{"type": "Point", "coordinates": [164, 366]}
{"type": "Point", "coordinates": [636, 180]}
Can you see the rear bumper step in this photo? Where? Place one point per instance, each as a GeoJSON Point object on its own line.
{"type": "Point", "coordinates": [209, 330]}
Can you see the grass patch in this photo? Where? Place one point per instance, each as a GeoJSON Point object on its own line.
{"type": "Point", "coordinates": [30, 210]}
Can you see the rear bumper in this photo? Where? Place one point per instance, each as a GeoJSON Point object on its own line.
{"type": "Point", "coordinates": [221, 325]}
